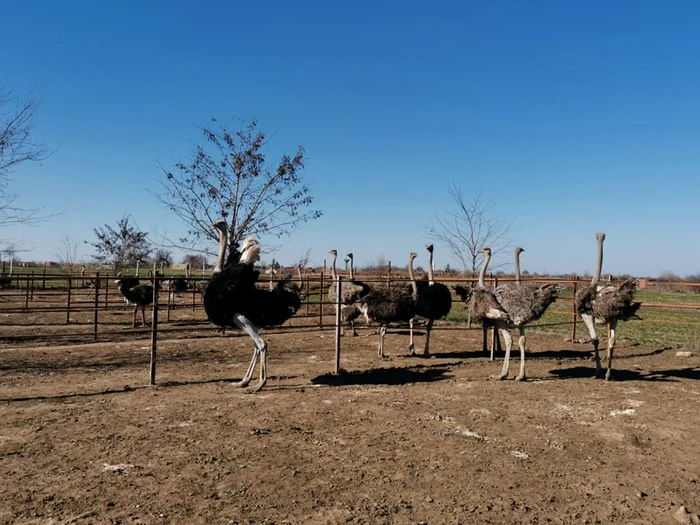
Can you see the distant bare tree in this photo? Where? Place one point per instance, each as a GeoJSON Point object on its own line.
{"type": "Point", "coordinates": [229, 176]}
{"type": "Point", "coordinates": [304, 259]}
{"type": "Point", "coordinates": [17, 123]}
{"type": "Point", "coordinates": [67, 251]}
{"type": "Point", "coordinates": [121, 247]}
{"type": "Point", "coordinates": [469, 228]}
{"type": "Point", "coordinates": [195, 261]}
{"type": "Point", "coordinates": [162, 256]}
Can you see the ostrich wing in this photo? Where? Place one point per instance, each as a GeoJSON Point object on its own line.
{"type": "Point", "coordinates": [525, 304]}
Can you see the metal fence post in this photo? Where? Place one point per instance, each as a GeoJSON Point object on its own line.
{"type": "Point", "coordinates": [154, 328]}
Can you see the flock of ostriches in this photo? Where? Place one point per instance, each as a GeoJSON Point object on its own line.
{"type": "Point", "coordinates": [232, 299]}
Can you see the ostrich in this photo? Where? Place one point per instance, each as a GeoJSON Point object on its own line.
{"type": "Point", "coordinates": [232, 299]}
{"type": "Point", "coordinates": [351, 291]}
{"type": "Point", "coordinates": [484, 306]}
{"type": "Point", "coordinates": [140, 295]}
{"type": "Point", "coordinates": [524, 304]}
{"type": "Point", "coordinates": [389, 305]}
{"type": "Point", "coordinates": [605, 303]}
{"type": "Point", "coordinates": [433, 302]}
{"type": "Point", "coordinates": [176, 285]}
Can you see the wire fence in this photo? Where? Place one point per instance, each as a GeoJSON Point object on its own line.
{"type": "Point", "coordinates": [45, 301]}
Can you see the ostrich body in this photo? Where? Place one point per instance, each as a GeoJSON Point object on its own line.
{"type": "Point", "coordinates": [605, 303]}
{"type": "Point", "coordinates": [232, 300]}
{"type": "Point", "coordinates": [140, 296]}
{"type": "Point", "coordinates": [433, 301]}
{"type": "Point", "coordinates": [483, 304]}
{"type": "Point", "coordinates": [524, 304]}
{"type": "Point", "coordinates": [389, 305]}
{"type": "Point", "coordinates": [351, 292]}
{"type": "Point", "coordinates": [176, 285]}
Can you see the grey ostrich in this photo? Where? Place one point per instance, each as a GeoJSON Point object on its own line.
{"type": "Point", "coordinates": [524, 304]}
{"type": "Point", "coordinates": [351, 291]}
{"type": "Point", "coordinates": [483, 304]}
{"type": "Point", "coordinates": [605, 303]}
{"type": "Point", "coordinates": [433, 301]}
{"type": "Point", "coordinates": [389, 305]}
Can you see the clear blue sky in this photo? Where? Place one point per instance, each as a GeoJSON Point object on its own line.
{"type": "Point", "coordinates": [574, 117]}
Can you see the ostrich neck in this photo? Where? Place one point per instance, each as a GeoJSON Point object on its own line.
{"type": "Point", "coordinates": [599, 266]}
{"type": "Point", "coordinates": [482, 273]}
{"type": "Point", "coordinates": [517, 268]}
{"type": "Point", "coordinates": [223, 234]}
{"type": "Point", "coordinates": [431, 277]}
{"type": "Point", "coordinates": [333, 274]}
{"type": "Point", "coordinates": [352, 269]}
{"type": "Point", "coordinates": [412, 278]}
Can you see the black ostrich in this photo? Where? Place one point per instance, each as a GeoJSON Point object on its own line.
{"type": "Point", "coordinates": [434, 301]}
{"type": "Point", "coordinates": [140, 295]}
{"type": "Point", "coordinates": [232, 299]}
{"type": "Point", "coordinates": [389, 305]}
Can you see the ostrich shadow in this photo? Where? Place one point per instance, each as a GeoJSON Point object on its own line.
{"type": "Point", "coordinates": [384, 376]}
{"type": "Point", "coordinates": [667, 375]}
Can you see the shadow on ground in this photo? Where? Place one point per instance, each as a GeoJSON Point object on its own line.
{"type": "Point", "coordinates": [384, 376]}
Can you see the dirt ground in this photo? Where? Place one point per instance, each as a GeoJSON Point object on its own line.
{"type": "Point", "coordinates": [84, 439]}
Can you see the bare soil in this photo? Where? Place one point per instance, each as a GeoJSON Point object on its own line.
{"type": "Point", "coordinates": [84, 439]}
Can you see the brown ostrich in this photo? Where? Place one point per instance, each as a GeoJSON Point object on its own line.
{"type": "Point", "coordinates": [605, 303]}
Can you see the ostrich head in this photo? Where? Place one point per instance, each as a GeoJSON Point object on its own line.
{"type": "Point", "coordinates": [600, 236]}
{"type": "Point", "coordinates": [486, 251]}
{"type": "Point", "coordinates": [248, 242]}
{"type": "Point", "coordinates": [220, 224]}
{"type": "Point", "coordinates": [334, 253]}
{"type": "Point", "coordinates": [412, 256]}
{"type": "Point", "coordinates": [519, 250]}
{"type": "Point", "coordinates": [349, 255]}
{"type": "Point", "coordinates": [429, 247]}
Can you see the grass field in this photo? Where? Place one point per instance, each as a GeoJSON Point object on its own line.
{"type": "Point", "coordinates": [661, 327]}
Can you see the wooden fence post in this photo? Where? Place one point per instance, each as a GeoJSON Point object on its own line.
{"type": "Point", "coordinates": [388, 277]}
{"type": "Point", "coordinates": [154, 327]}
{"type": "Point", "coordinates": [26, 295]}
{"type": "Point", "coordinates": [43, 278]}
{"type": "Point", "coordinates": [68, 301]}
{"type": "Point", "coordinates": [338, 307]}
{"type": "Point", "coordinates": [107, 292]}
{"type": "Point", "coordinates": [97, 304]}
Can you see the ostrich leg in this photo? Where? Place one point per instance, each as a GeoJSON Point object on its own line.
{"type": "Point", "coordinates": [521, 344]}
{"type": "Point", "coordinates": [411, 346]}
{"type": "Point", "coordinates": [509, 345]}
{"type": "Point", "coordinates": [428, 328]}
{"type": "Point", "coordinates": [611, 347]}
{"type": "Point", "coordinates": [382, 333]}
{"type": "Point", "coordinates": [590, 324]}
{"type": "Point", "coordinates": [260, 352]}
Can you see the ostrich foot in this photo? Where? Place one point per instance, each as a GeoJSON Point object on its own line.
{"type": "Point", "coordinates": [411, 349]}
{"type": "Point", "coordinates": [256, 388]}
{"type": "Point", "coordinates": [241, 384]}
{"type": "Point", "coordinates": [502, 377]}
{"type": "Point", "coordinates": [521, 378]}
{"type": "Point", "coordinates": [608, 376]}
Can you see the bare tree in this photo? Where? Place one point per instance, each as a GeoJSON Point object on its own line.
{"type": "Point", "coordinates": [304, 259]}
{"type": "Point", "coordinates": [67, 251]}
{"type": "Point", "coordinates": [17, 123]}
{"type": "Point", "coordinates": [230, 177]}
{"type": "Point", "coordinates": [162, 256]}
{"type": "Point", "coordinates": [472, 226]}
{"type": "Point", "coordinates": [121, 247]}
